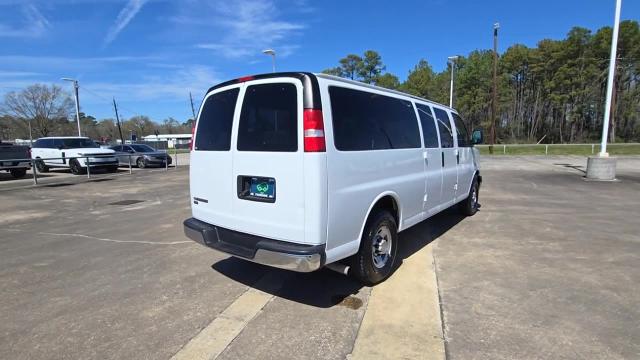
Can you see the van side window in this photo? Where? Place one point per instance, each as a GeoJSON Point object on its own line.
{"type": "Point", "coordinates": [368, 121]}
{"type": "Point", "coordinates": [269, 118]}
{"type": "Point", "coordinates": [444, 125]}
{"type": "Point", "coordinates": [216, 118]}
{"type": "Point", "coordinates": [428, 123]}
{"type": "Point", "coordinates": [461, 131]}
{"type": "Point", "coordinates": [39, 143]}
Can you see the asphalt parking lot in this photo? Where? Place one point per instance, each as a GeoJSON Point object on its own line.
{"type": "Point", "coordinates": [547, 269]}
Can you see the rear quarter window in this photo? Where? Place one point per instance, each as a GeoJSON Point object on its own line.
{"type": "Point", "coordinates": [368, 121]}
{"type": "Point", "coordinates": [269, 118]}
{"type": "Point", "coordinates": [216, 118]}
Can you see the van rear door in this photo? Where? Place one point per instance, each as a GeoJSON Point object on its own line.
{"type": "Point", "coordinates": [247, 162]}
{"type": "Point", "coordinates": [268, 161]}
{"type": "Point", "coordinates": [211, 159]}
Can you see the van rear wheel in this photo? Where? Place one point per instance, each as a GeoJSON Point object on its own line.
{"type": "Point", "coordinates": [378, 248]}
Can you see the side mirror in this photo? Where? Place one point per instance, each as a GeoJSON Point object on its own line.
{"type": "Point", "coordinates": [477, 137]}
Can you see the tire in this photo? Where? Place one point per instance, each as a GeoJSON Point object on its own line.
{"type": "Point", "coordinates": [378, 249]}
{"type": "Point", "coordinates": [41, 167]}
{"type": "Point", "coordinates": [140, 163]}
{"type": "Point", "coordinates": [112, 169]}
{"type": "Point", "coordinates": [75, 167]}
{"type": "Point", "coordinates": [469, 206]}
{"type": "Point", "coordinates": [18, 173]}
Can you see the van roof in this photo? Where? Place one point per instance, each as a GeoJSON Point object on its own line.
{"type": "Point", "coordinates": [306, 76]}
{"type": "Point", "coordinates": [359, 83]}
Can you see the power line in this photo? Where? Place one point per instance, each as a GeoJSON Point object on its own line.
{"type": "Point", "coordinates": [135, 113]}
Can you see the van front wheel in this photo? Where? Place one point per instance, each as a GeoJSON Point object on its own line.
{"type": "Point", "coordinates": [469, 207]}
{"type": "Point", "coordinates": [378, 248]}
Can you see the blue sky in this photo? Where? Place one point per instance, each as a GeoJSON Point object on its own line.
{"type": "Point", "coordinates": [150, 53]}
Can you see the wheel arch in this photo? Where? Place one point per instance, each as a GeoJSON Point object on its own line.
{"type": "Point", "coordinates": [387, 200]}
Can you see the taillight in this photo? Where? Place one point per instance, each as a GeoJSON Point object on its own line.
{"type": "Point", "coordinates": [29, 152]}
{"type": "Point", "coordinates": [313, 131]}
{"type": "Point", "coordinates": [193, 131]}
{"type": "Point", "coordinates": [245, 78]}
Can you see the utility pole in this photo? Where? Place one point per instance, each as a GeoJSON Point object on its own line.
{"type": "Point", "coordinates": [75, 88]}
{"type": "Point", "coordinates": [193, 110]}
{"type": "Point", "coordinates": [494, 102]}
{"type": "Point", "coordinates": [115, 107]}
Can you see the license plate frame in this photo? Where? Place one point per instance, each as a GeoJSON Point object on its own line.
{"type": "Point", "coordinates": [257, 188]}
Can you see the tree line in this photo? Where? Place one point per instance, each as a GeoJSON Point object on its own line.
{"type": "Point", "coordinates": [554, 92]}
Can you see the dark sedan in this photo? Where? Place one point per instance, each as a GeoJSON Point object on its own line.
{"type": "Point", "coordinates": [140, 155]}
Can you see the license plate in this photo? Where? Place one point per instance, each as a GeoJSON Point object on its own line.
{"type": "Point", "coordinates": [263, 188]}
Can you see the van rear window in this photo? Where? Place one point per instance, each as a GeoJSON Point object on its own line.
{"type": "Point", "coordinates": [216, 118]}
{"type": "Point", "coordinates": [269, 118]}
{"type": "Point", "coordinates": [369, 121]}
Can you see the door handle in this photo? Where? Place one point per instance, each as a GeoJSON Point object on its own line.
{"type": "Point", "coordinates": [442, 153]}
{"type": "Point", "coordinates": [458, 158]}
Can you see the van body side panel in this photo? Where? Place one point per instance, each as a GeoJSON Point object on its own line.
{"type": "Point", "coordinates": [315, 195]}
{"type": "Point", "coordinates": [357, 178]}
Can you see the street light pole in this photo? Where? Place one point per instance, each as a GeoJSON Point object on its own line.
{"type": "Point", "coordinates": [273, 58]}
{"type": "Point", "coordinates": [75, 88]}
{"type": "Point", "coordinates": [603, 167]}
{"type": "Point", "coordinates": [452, 59]}
{"type": "Point", "coordinates": [612, 71]}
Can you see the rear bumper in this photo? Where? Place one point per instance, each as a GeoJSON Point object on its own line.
{"type": "Point", "coordinates": [279, 254]}
{"type": "Point", "coordinates": [6, 165]}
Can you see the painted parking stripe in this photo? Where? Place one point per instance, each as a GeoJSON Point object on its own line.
{"type": "Point", "coordinates": [402, 320]}
{"type": "Point", "coordinates": [214, 338]}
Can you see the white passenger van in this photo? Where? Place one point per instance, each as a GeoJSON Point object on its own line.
{"type": "Point", "coordinates": [300, 171]}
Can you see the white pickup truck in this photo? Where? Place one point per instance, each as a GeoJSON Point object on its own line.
{"type": "Point", "coordinates": [73, 152]}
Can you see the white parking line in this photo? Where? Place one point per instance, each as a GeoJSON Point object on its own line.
{"type": "Point", "coordinates": [214, 338]}
{"type": "Point", "coordinates": [118, 241]}
{"type": "Point", "coordinates": [402, 320]}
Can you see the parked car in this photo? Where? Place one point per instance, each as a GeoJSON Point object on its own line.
{"type": "Point", "coordinates": [19, 156]}
{"type": "Point", "coordinates": [301, 170]}
{"type": "Point", "coordinates": [72, 152]}
{"type": "Point", "coordinates": [141, 155]}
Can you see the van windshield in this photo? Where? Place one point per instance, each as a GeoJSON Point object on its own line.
{"type": "Point", "coordinates": [269, 118]}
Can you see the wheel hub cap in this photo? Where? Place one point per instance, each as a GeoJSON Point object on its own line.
{"type": "Point", "coordinates": [381, 247]}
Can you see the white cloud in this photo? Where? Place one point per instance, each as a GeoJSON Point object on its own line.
{"type": "Point", "coordinates": [249, 27]}
{"type": "Point", "coordinates": [128, 12]}
{"type": "Point", "coordinates": [34, 24]}
{"type": "Point", "coordinates": [170, 86]}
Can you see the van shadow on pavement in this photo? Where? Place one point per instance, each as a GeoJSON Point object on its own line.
{"type": "Point", "coordinates": [325, 288]}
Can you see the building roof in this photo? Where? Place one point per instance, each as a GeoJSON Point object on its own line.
{"type": "Point", "coordinates": [167, 136]}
